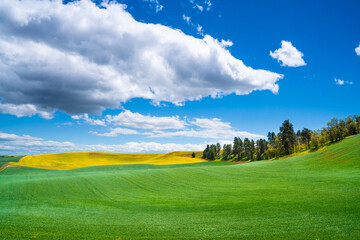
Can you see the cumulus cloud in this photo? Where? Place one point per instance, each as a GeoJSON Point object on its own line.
{"type": "Point", "coordinates": [166, 127]}
{"type": "Point", "coordinates": [23, 110]}
{"type": "Point", "coordinates": [79, 58]}
{"type": "Point", "coordinates": [24, 145]}
{"type": "Point", "coordinates": [85, 117]}
{"type": "Point", "coordinates": [342, 82]}
{"type": "Point", "coordinates": [116, 132]}
{"type": "Point", "coordinates": [137, 120]}
{"type": "Point", "coordinates": [226, 43]}
{"type": "Point", "coordinates": [288, 55]}
{"type": "Point", "coordinates": [357, 50]}
{"type": "Point", "coordinates": [207, 128]}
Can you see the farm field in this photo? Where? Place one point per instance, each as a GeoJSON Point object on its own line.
{"type": "Point", "coordinates": [4, 160]}
{"type": "Point", "coordinates": [311, 196]}
{"type": "Point", "coordinates": [64, 161]}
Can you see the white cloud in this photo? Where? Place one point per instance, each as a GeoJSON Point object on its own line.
{"type": "Point", "coordinates": [13, 137]}
{"type": "Point", "coordinates": [79, 58]}
{"type": "Point", "coordinates": [137, 120]}
{"type": "Point", "coordinates": [23, 145]}
{"type": "Point", "coordinates": [214, 123]}
{"type": "Point", "coordinates": [207, 128]}
{"type": "Point", "coordinates": [23, 110]}
{"type": "Point", "coordinates": [342, 82]}
{"type": "Point", "coordinates": [201, 8]}
{"type": "Point", "coordinates": [116, 132]}
{"type": "Point", "coordinates": [227, 43]}
{"type": "Point", "coordinates": [288, 55]}
{"type": "Point", "coordinates": [357, 50]}
{"type": "Point", "coordinates": [208, 5]}
{"type": "Point", "coordinates": [198, 27]}
{"type": "Point", "coordinates": [200, 5]}
{"type": "Point", "coordinates": [85, 117]}
{"type": "Point", "coordinates": [165, 127]}
{"type": "Point", "coordinates": [200, 30]}
{"type": "Point", "coordinates": [187, 19]}
{"type": "Point", "coordinates": [155, 3]}
{"type": "Point", "coordinates": [339, 81]}
{"type": "Point", "coordinates": [206, 133]}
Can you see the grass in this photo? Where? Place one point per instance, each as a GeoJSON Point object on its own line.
{"type": "Point", "coordinates": [312, 196]}
{"type": "Point", "coordinates": [65, 161]}
{"type": "Point", "coordinates": [6, 159]}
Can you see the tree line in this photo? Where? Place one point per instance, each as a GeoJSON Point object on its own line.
{"type": "Point", "coordinates": [285, 142]}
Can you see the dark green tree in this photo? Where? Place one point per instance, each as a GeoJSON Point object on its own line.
{"type": "Point", "coordinates": [252, 149]}
{"type": "Point", "coordinates": [241, 148]}
{"type": "Point", "coordinates": [218, 149]}
{"type": "Point", "coordinates": [206, 151]}
{"type": "Point", "coordinates": [193, 155]}
{"type": "Point", "coordinates": [212, 153]}
{"type": "Point", "coordinates": [261, 147]}
{"type": "Point", "coordinates": [287, 137]}
{"type": "Point", "coordinates": [271, 138]}
{"type": "Point", "coordinates": [236, 147]}
{"type": "Point", "coordinates": [247, 147]}
{"type": "Point", "coordinates": [227, 150]}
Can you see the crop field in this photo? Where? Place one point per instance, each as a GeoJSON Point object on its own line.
{"type": "Point", "coordinates": [311, 196]}
{"type": "Point", "coordinates": [4, 160]}
{"type": "Point", "coordinates": [64, 161]}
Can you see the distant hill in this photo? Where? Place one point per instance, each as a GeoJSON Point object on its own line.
{"type": "Point", "coordinates": [64, 161]}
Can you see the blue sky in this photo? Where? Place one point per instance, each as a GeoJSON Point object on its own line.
{"type": "Point", "coordinates": [118, 77]}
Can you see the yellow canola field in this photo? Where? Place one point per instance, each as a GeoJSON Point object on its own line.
{"type": "Point", "coordinates": [65, 161]}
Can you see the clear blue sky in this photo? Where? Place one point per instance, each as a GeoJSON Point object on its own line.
{"type": "Point", "coordinates": [143, 83]}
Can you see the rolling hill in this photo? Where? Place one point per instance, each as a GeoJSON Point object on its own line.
{"type": "Point", "coordinates": [65, 161]}
{"type": "Point", "coordinates": [312, 196]}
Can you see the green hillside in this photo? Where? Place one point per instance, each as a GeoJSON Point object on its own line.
{"type": "Point", "coordinates": [312, 196]}
{"type": "Point", "coordinates": [6, 159]}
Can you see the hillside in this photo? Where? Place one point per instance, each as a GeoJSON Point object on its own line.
{"type": "Point", "coordinates": [312, 196]}
{"type": "Point", "coordinates": [65, 161]}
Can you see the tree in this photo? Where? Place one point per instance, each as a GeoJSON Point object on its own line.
{"type": "Point", "coordinates": [218, 149]}
{"type": "Point", "coordinates": [206, 151]}
{"type": "Point", "coordinates": [193, 155]}
{"type": "Point", "coordinates": [341, 132]}
{"type": "Point", "coordinates": [271, 138]}
{"type": "Point", "coordinates": [315, 140]}
{"type": "Point", "coordinates": [247, 147]}
{"type": "Point", "coordinates": [306, 136]}
{"type": "Point", "coordinates": [287, 137]}
{"type": "Point", "coordinates": [351, 125]}
{"type": "Point", "coordinates": [286, 141]}
{"type": "Point", "coordinates": [252, 149]}
{"type": "Point", "coordinates": [212, 153]}
{"type": "Point", "coordinates": [261, 147]}
{"type": "Point", "coordinates": [332, 130]}
{"type": "Point", "coordinates": [236, 147]}
{"type": "Point", "coordinates": [357, 120]}
{"type": "Point", "coordinates": [227, 149]}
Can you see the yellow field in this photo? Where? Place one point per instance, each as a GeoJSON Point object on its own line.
{"type": "Point", "coordinates": [64, 161]}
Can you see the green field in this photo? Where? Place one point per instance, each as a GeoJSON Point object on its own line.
{"type": "Point", "coordinates": [312, 196]}
{"type": "Point", "coordinates": [6, 159]}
